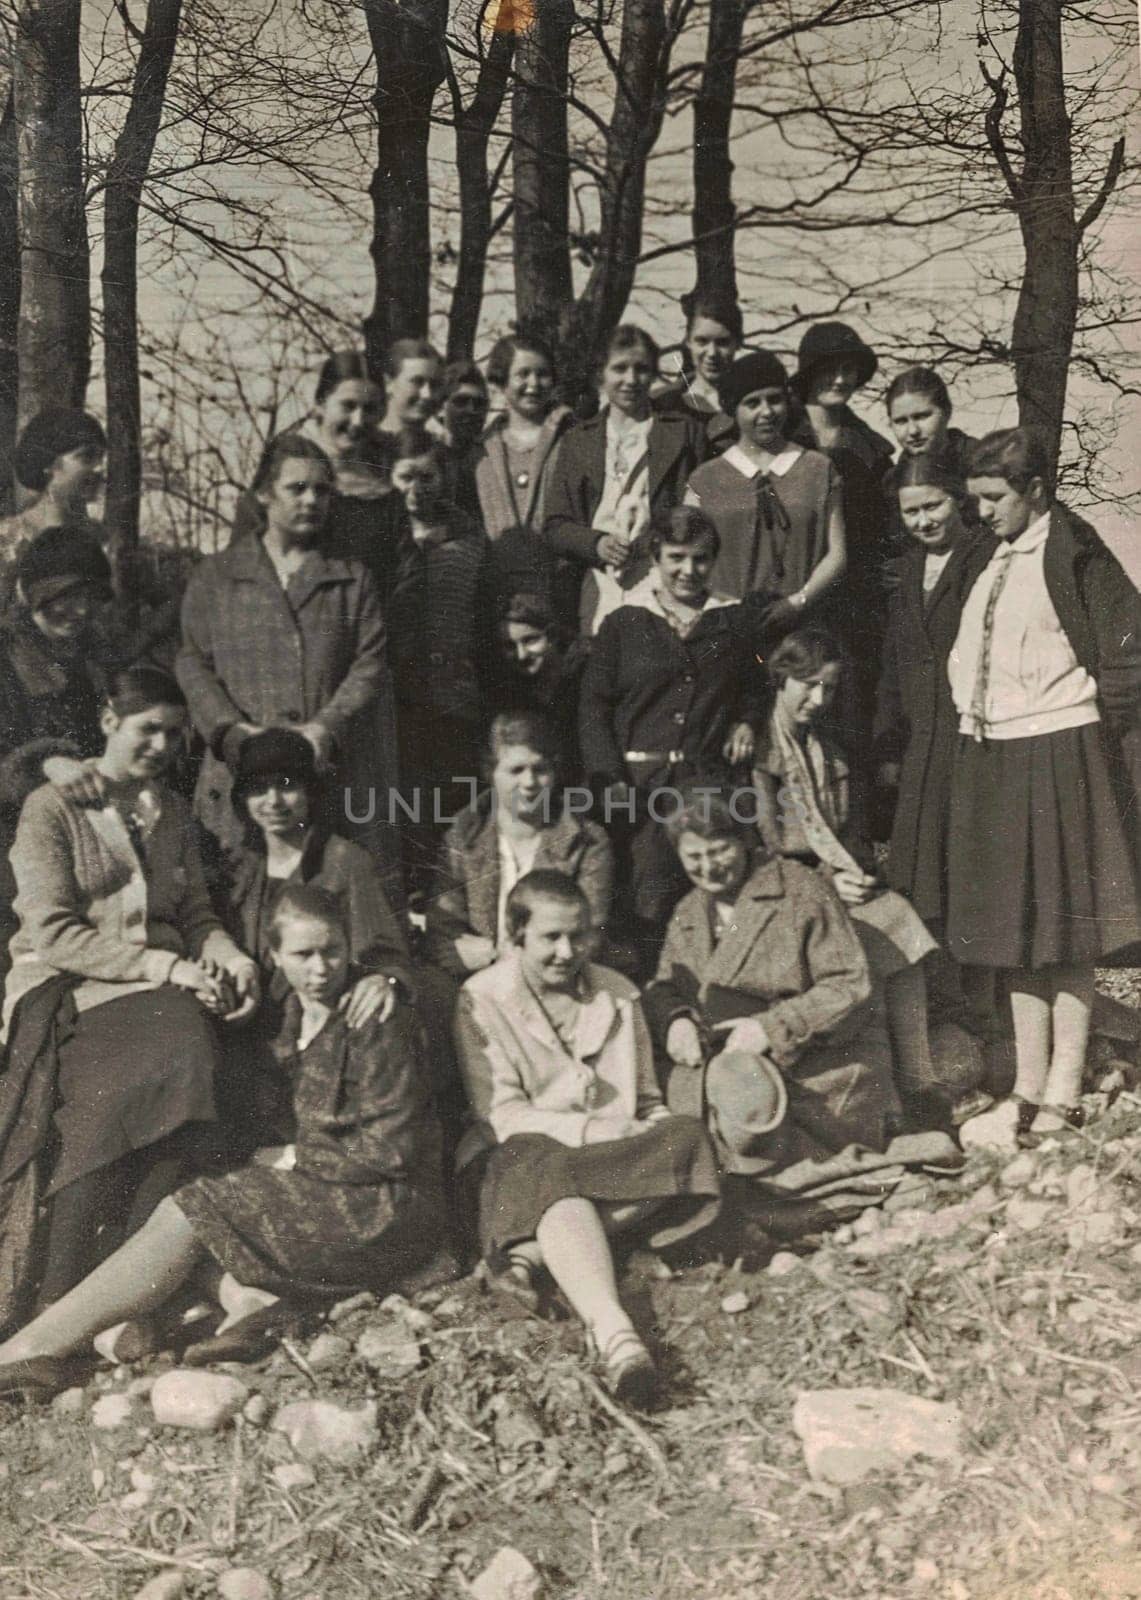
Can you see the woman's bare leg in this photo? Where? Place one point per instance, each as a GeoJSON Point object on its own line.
{"type": "Point", "coordinates": [142, 1274]}
{"type": "Point", "coordinates": [577, 1254]}
{"type": "Point", "coordinates": [1070, 1013]}
{"type": "Point", "coordinates": [1030, 1005]}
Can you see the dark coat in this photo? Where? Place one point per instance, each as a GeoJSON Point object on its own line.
{"type": "Point", "coordinates": [376, 940]}
{"type": "Point", "coordinates": [678, 444]}
{"type": "Point", "coordinates": [49, 705]}
{"type": "Point", "coordinates": [645, 688]}
{"type": "Point", "coordinates": [466, 897]}
{"type": "Point", "coordinates": [916, 722]}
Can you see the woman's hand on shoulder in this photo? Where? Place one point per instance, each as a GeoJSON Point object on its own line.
{"type": "Point", "coordinates": [79, 782]}
{"type": "Point", "coordinates": [740, 744]}
{"type": "Point", "coordinates": [321, 742]}
{"type": "Point", "coordinates": [371, 999]}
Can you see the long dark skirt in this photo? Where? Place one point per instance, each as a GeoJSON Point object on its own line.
{"type": "Point", "coordinates": [133, 1071]}
{"type": "Point", "coordinates": [1039, 872]}
{"type": "Point", "coordinates": [672, 1161]}
{"type": "Point", "coordinates": [292, 1233]}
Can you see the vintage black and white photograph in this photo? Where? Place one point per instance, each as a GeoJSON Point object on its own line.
{"type": "Point", "coordinates": [570, 800]}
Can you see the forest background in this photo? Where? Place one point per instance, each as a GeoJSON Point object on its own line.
{"type": "Point", "coordinates": [199, 199]}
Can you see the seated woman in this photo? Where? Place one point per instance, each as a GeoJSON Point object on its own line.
{"type": "Point", "coordinates": [541, 670]}
{"type": "Point", "coordinates": [809, 811]}
{"type": "Point", "coordinates": [573, 1141]}
{"type": "Point", "coordinates": [117, 961]}
{"type": "Point", "coordinates": [350, 1198]}
{"type": "Point", "coordinates": [761, 961]}
{"type": "Point", "coordinates": [520, 826]}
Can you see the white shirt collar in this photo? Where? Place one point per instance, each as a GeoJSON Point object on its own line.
{"type": "Point", "coordinates": [646, 594]}
{"type": "Point", "coordinates": [748, 468]}
{"type": "Point", "coordinates": [1030, 538]}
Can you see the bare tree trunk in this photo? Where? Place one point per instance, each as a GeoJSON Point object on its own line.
{"type": "Point", "coordinates": [474, 124]}
{"type": "Point", "coordinates": [714, 214]}
{"type": "Point", "coordinates": [1045, 318]}
{"type": "Point", "coordinates": [541, 168]}
{"type": "Point", "coordinates": [648, 33]}
{"type": "Point", "coordinates": [126, 176]}
{"type": "Point", "coordinates": [54, 339]}
{"type": "Point", "coordinates": [9, 297]}
{"type": "Point", "coordinates": [408, 44]}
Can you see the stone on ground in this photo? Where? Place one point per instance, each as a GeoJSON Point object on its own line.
{"type": "Point", "coordinates": [167, 1586]}
{"type": "Point", "coordinates": [328, 1351]}
{"type": "Point", "coordinates": [188, 1398]}
{"type": "Point", "coordinates": [391, 1351]}
{"type": "Point", "coordinates": [244, 1583]}
{"type": "Point", "coordinates": [70, 1403]}
{"type": "Point", "coordinates": [508, 1576]}
{"type": "Point", "coordinates": [320, 1431]}
{"type": "Point", "coordinates": [848, 1433]}
{"type": "Point", "coordinates": [112, 1411]}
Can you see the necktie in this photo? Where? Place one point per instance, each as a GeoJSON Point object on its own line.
{"type": "Point", "coordinates": [982, 672]}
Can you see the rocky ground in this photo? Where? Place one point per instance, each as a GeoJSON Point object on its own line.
{"type": "Point", "coordinates": [942, 1399]}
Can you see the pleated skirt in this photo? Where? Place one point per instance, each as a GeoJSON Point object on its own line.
{"type": "Point", "coordinates": [1039, 872]}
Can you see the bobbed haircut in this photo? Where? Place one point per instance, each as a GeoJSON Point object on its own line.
{"type": "Point", "coordinates": [53, 432]}
{"type": "Point", "coordinates": [459, 373]}
{"type": "Point", "coordinates": [139, 688]}
{"type": "Point", "coordinates": [343, 366]}
{"type": "Point", "coordinates": [527, 728]}
{"type": "Point", "coordinates": [287, 447]}
{"type": "Point", "coordinates": [542, 884]}
{"type": "Point", "coordinates": [311, 902]}
{"type": "Point", "coordinates": [1016, 455]}
{"type": "Point", "coordinates": [710, 815]}
{"type": "Point", "coordinates": [628, 336]}
{"type": "Point", "coordinates": [802, 653]}
{"type": "Point", "coordinates": [530, 610]}
{"type": "Point", "coordinates": [402, 350]}
{"type": "Point", "coordinates": [923, 381]}
{"type": "Point", "coordinates": [686, 527]}
{"type": "Point", "coordinates": [718, 308]}
{"type": "Point", "coordinates": [504, 351]}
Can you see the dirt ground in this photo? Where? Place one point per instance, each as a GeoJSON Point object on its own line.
{"type": "Point", "coordinates": [1011, 1291]}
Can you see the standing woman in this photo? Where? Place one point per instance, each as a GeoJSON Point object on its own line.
{"type": "Point", "coordinates": [916, 727]}
{"type": "Point", "coordinates": [117, 961]}
{"type": "Point", "coordinates": [278, 633]}
{"type": "Point", "coordinates": [832, 363]}
{"type": "Point", "coordinates": [612, 474]}
{"type": "Point", "coordinates": [513, 473]}
{"type": "Point", "coordinates": [713, 335]}
{"type": "Point", "coordinates": [59, 459]}
{"type": "Point", "coordinates": [776, 505]}
{"type": "Point", "coordinates": [1045, 675]}
{"type": "Point", "coordinates": [919, 410]}
{"type": "Point", "coordinates": [413, 386]}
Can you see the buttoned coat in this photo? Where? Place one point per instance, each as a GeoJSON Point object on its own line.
{"type": "Point", "coordinates": [645, 688]}
{"type": "Point", "coordinates": [520, 1077]}
{"type": "Point", "coordinates": [253, 651]}
{"type": "Point", "coordinates": [916, 723]}
{"type": "Point", "coordinates": [790, 948]}
{"type": "Point", "coordinates": [466, 898]}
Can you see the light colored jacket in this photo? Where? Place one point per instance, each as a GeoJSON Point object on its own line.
{"type": "Point", "coordinates": [85, 906]}
{"type": "Point", "coordinates": [519, 1076]}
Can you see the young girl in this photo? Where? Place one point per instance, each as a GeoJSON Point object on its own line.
{"type": "Point", "coordinates": [573, 1141]}
{"type": "Point", "coordinates": [613, 473]}
{"type": "Point", "coordinates": [513, 474]}
{"type": "Point", "coordinates": [776, 505]}
{"type": "Point", "coordinates": [347, 1198]}
{"type": "Point", "coordinates": [1044, 674]}
{"type": "Point", "coordinates": [809, 812]}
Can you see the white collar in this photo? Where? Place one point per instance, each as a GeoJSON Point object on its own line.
{"type": "Point", "coordinates": [646, 595]}
{"type": "Point", "coordinates": [748, 468]}
{"type": "Point", "coordinates": [1032, 537]}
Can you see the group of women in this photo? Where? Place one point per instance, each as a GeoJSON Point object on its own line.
{"type": "Point", "coordinates": [273, 1031]}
